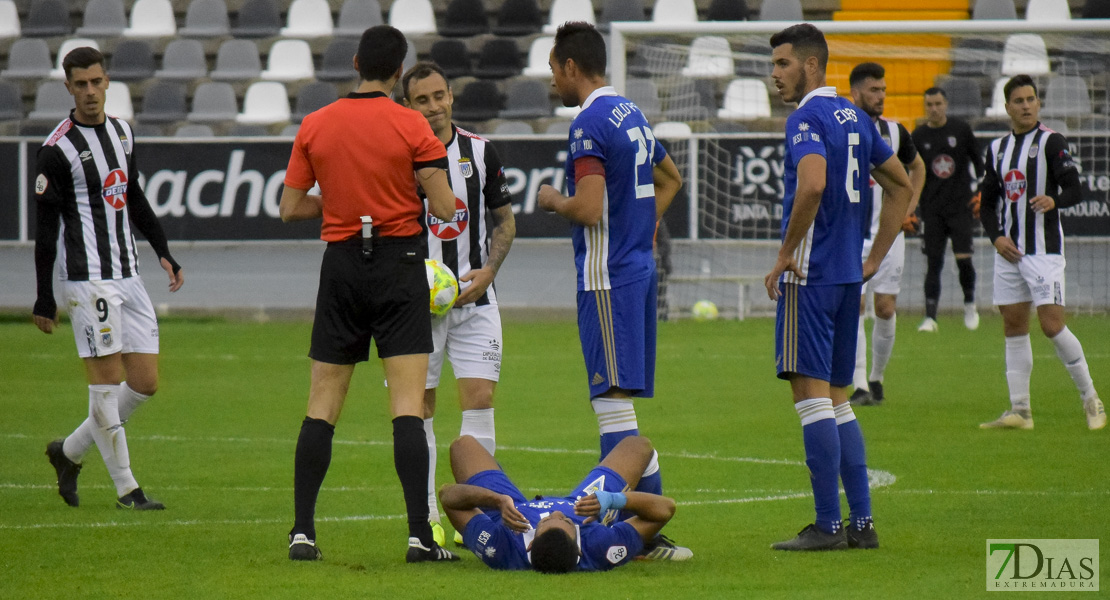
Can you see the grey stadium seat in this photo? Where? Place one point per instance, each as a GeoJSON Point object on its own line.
{"type": "Point", "coordinates": [29, 58]}
{"type": "Point", "coordinates": [183, 60]}
{"type": "Point", "coordinates": [206, 18]}
{"type": "Point", "coordinates": [214, 101]}
{"type": "Point", "coordinates": [258, 18]}
{"type": "Point", "coordinates": [356, 16]}
{"type": "Point", "coordinates": [237, 59]}
{"type": "Point", "coordinates": [103, 18]}
{"type": "Point", "coordinates": [132, 60]}
{"type": "Point", "coordinates": [164, 102]}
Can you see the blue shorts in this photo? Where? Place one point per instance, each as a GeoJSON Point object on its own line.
{"type": "Point", "coordinates": [815, 331]}
{"type": "Point", "coordinates": [617, 330]}
{"type": "Point", "coordinates": [599, 478]}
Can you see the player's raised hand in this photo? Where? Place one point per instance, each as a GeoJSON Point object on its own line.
{"type": "Point", "coordinates": [176, 279]}
{"type": "Point", "coordinates": [599, 503]}
{"type": "Point", "coordinates": [511, 517]}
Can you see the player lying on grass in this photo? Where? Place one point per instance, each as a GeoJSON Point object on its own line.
{"type": "Point", "coordinates": [558, 534]}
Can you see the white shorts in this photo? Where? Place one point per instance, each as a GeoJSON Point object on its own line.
{"type": "Point", "coordinates": [111, 316]}
{"type": "Point", "coordinates": [888, 279]}
{"type": "Point", "coordinates": [471, 336]}
{"type": "Point", "coordinates": [1036, 278]}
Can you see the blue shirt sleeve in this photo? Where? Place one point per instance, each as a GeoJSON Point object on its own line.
{"type": "Point", "coordinates": [489, 541]}
{"type": "Point", "coordinates": [804, 136]}
{"type": "Point", "coordinates": [586, 138]}
{"type": "Point", "coordinates": [609, 547]}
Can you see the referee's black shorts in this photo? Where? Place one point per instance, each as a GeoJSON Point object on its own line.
{"type": "Point", "coordinates": [384, 297]}
{"type": "Point", "coordinates": [940, 227]}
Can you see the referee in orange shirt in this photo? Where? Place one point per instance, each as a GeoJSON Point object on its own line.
{"type": "Point", "coordinates": [363, 150]}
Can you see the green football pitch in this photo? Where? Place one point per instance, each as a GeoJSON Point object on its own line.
{"type": "Point", "coordinates": [216, 446]}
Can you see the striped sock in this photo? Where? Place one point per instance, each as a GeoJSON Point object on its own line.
{"type": "Point", "coordinates": [822, 444]}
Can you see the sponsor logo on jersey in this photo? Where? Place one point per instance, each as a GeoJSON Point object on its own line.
{"type": "Point", "coordinates": [450, 230]}
{"type": "Point", "coordinates": [1014, 185]}
{"type": "Point", "coordinates": [578, 133]}
{"type": "Point", "coordinates": [944, 166]}
{"type": "Point", "coordinates": [40, 184]}
{"type": "Point", "coordinates": [115, 189]}
{"type": "Point", "coordinates": [598, 379]}
{"type": "Point", "coordinates": [86, 155]}
{"type": "Point", "coordinates": [466, 168]}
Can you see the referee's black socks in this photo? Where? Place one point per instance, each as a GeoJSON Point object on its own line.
{"type": "Point", "coordinates": [309, 468]}
{"type": "Point", "coordinates": [410, 458]}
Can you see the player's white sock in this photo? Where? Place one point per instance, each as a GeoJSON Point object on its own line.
{"type": "Point", "coordinates": [129, 400]}
{"type": "Point", "coordinates": [614, 414]}
{"type": "Point", "coordinates": [882, 345]}
{"type": "Point", "coordinates": [77, 445]}
{"type": "Point", "coordinates": [479, 423]}
{"type": "Point", "coordinates": [1019, 368]}
{"type": "Point", "coordinates": [430, 435]}
{"type": "Point", "coordinates": [1070, 352]}
{"type": "Point", "coordinates": [110, 437]}
{"type": "Point", "coordinates": [859, 378]}
{"type": "Point", "coordinates": [653, 465]}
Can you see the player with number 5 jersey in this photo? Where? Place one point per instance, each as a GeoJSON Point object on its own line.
{"type": "Point", "coordinates": [620, 180]}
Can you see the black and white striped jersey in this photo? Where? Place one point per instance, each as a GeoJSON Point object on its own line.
{"type": "Point", "coordinates": [86, 188]}
{"type": "Point", "coordinates": [1019, 168]}
{"type": "Point", "coordinates": [898, 138]}
{"type": "Point", "coordinates": [479, 183]}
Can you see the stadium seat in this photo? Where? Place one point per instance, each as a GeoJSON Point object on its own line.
{"type": "Point", "coordinates": [290, 130]}
{"type": "Point", "coordinates": [164, 102]}
{"type": "Point", "coordinates": [538, 54]}
{"type": "Point", "coordinates": [103, 18]}
{"type": "Point", "coordinates": [1045, 11]}
{"type": "Point", "coordinates": [52, 102]}
{"type": "Point", "coordinates": [745, 98]}
{"type": "Point", "coordinates": [754, 60]}
{"type": "Point", "coordinates": [689, 99]}
{"type": "Point", "coordinates": [117, 101]}
{"type": "Point", "coordinates": [67, 47]}
{"type": "Point", "coordinates": [513, 128]}
{"type": "Point", "coordinates": [266, 102]}
{"type": "Point", "coordinates": [206, 18]}
{"type": "Point", "coordinates": [356, 16]}
{"type": "Point", "coordinates": [965, 97]}
{"type": "Point", "coordinates": [568, 10]}
{"type": "Point", "coordinates": [214, 101]}
{"type": "Point", "coordinates": [558, 127]}
{"type": "Point", "coordinates": [994, 9]}
{"type": "Point", "coordinates": [998, 99]}
{"type": "Point", "coordinates": [9, 19]}
{"type": "Point", "coordinates": [478, 101]}
{"type": "Point", "coordinates": [644, 94]}
{"type": "Point", "coordinates": [518, 17]}
{"type": "Point", "coordinates": [237, 59]}
{"type": "Point", "coordinates": [28, 58]}
{"type": "Point", "coordinates": [781, 10]}
{"type": "Point", "coordinates": [671, 130]}
{"type": "Point", "coordinates": [464, 18]}
{"type": "Point", "coordinates": [410, 56]}
{"type": "Point", "coordinates": [527, 99]}
{"type": "Point", "coordinates": [727, 10]}
{"type": "Point", "coordinates": [452, 57]}
{"type": "Point", "coordinates": [1082, 55]}
{"type": "Point", "coordinates": [183, 60]}
{"type": "Point", "coordinates": [289, 60]}
{"type": "Point", "coordinates": [314, 96]}
{"type": "Point", "coordinates": [151, 18]}
{"type": "Point", "coordinates": [308, 19]}
{"type": "Point", "coordinates": [11, 103]}
{"type": "Point", "coordinates": [1025, 53]}
{"type": "Point", "coordinates": [674, 12]}
{"type": "Point", "coordinates": [336, 63]}
{"type": "Point", "coordinates": [1066, 96]}
{"type": "Point", "coordinates": [412, 17]}
{"type": "Point", "coordinates": [47, 18]}
{"type": "Point", "coordinates": [499, 58]}
{"type": "Point", "coordinates": [710, 56]}
{"type": "Point", "coordinates": [977, 57]}
{"type": "Point", "coordinates": [247, 130]}
{"type": "Point", "coordinates": [258, 18]}
{"type": "Point", "coordinates": [620, 10]}
{"type": "Point", "coordinates": [194, 130]}
{"type": "Point", "coordinates": [132, 60]}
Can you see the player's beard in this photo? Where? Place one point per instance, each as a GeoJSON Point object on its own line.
{"type": "Point", "coordinates": [800, 88]}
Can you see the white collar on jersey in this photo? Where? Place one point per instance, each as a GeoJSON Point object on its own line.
{"type": "Point", "coordinates": [599, 92]}
{"type": "Point", "coordinates": [827, 91]}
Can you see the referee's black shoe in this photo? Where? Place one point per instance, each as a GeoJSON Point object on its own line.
{"type": "Point", "coordinates": [67, 471]}
{"type": "Point", "coordinates": [420, 553]}
{"type": "Point", "coordinates": [302, 548]}
{"type": "Point", "coordinates": [811, 538]}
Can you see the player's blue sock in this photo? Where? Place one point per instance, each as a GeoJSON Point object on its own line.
{"type": "Point", "coordinates": [822, 444]}
{"type": "Point", "coordinates": [853, 465]}
{"type": "Point", "coordinates": [610, 440]}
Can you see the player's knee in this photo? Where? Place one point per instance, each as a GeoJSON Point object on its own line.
{"type": "Point", "coordinates": [1051, 327]}
{"type": "Point", "coordinates": [637, 444]}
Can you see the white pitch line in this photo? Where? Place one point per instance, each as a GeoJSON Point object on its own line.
{"type": "Point", "coordinates": [190, 522]}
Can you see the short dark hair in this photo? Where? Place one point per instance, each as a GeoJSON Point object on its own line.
{"type": "Point", "coordinates": [583, 43]}
{"type": "Point", "coordinates": [933, 91]}
{"type": "Point", "coordinates": [806, 40]}
{"type": "Point", "coordinates": [81, 58]}
{"type": "Point", "coordinates": [381, 52]}
{"type": "Point", "coordinates": [421, 70]}
{"type": "Point", "coordinates": [1018, 81]}
{"type": "Point", "coordinates": [553, 551]}
{"type": "Point", "coordinates": [864, 71]}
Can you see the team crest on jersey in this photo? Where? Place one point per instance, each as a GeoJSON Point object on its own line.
{"type": "Point", "coordinates": [951, 141]}
{"type": "Point", "coordinates": [1033, 150]}
{"type": "Point", "coordinates": [40, 184]}
{"type": "Point", "coordinates": [466, 167]}
{"type": "Point", "coordinates": [115, 189]}
{"type": "Point", "coordinates": [450, 230]}
{"type": "Point", "coordinates": [1014, 184]}
{"type": "Point", "coordinates": [944, 166]}
{"type": "Point", "coordinates": [126, 143]}
{"type": "Point", "coordinates": [106, 336]}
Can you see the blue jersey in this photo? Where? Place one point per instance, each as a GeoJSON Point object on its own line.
{"type": "Point", "coordinates": [617, 250]}
{"type": "Point", "coordinates": [602, 547]}
{"type": "Point", "coordinates": [836, 129]}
